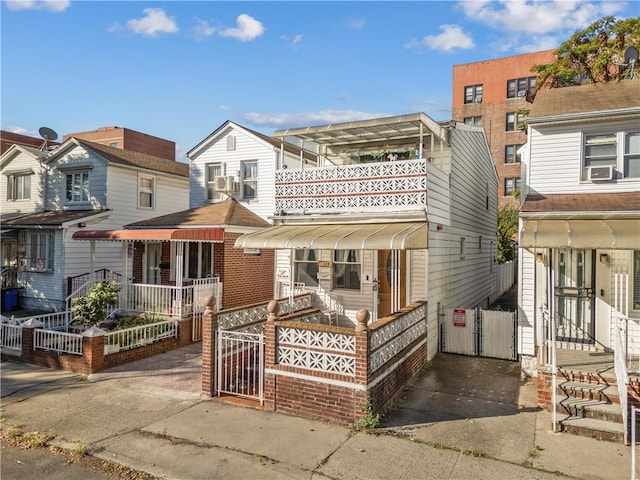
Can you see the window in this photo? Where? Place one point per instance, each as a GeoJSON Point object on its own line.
{"type": "Point", "coordinates": [39, 250]}
{"type": "Point", "coordinates": [473, 120]}
{"type": "Point", "coordinates": [198, 259]}
{"type": "Point", "coordinates": [473, 94]}
{"type": "Point", "coordinates": [213, 170]}
{"type": "Point", "coordinates": [346, 269]}
{"type": "Point", "coordinates": [636, 280]}
{"type": "Point", "coordinates": [521, 87]}
{"type": "Point", "coordinates": [249, 179]}
{"type": "Point", "coordinates": [603, 150]}
{"type": "Point", "coordinates": [231, 142]}
{"type": "Point", "coordinates": [114, 144]}
{"type": "Point", "coordinates": [631, 161]}
{"type": "Point", "coordinates": [19, 187]}
{"type": "Point", "coordinates": [305, 267]}
{"type": "Point", "coordinates": [515, 121]}
{"type": "Point", "coordinates": [78, 187]}
{"type": "Point", "coordinates": [511, 185]}
{"type": "Point", "coordinates": [146, 192]}
{"type": "Point", "coordinates": [511, 154]}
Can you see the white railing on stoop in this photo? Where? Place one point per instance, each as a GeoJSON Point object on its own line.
{"type": "Point", "coordinates": [366, 187]}
{"type": "Point", "coordinates": [622, 376]}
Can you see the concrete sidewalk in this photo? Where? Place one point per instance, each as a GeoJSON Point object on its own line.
{"type": "Point", "coordinates": [183, 437]}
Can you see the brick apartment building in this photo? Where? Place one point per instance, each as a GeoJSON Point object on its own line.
{"type": "Point", "coordinates": [127, 139]}
{"type": "Point", "coordinates": [491, 93]}
{"type": "Point", "coordinates": [9, 138]}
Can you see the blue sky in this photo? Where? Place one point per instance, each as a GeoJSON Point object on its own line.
{"type": "Point", "coordinates": [179, 69]}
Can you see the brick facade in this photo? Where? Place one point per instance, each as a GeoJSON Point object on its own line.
{"type": "Point", "coordinates": [493, 76]}
{"type": "Point", "coordinates": [127, 139]}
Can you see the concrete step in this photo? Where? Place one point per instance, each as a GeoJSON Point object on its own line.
{"type": "Point", "coordinates": [586, 377]}
{"type": "Point", "coordinates": [590, 391]}
{"type": "Point", "coordinates": [592, 428]}
{"type": "Point", "coordinates": [596, 410]}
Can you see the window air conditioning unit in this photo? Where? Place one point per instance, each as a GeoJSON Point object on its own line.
{"type": "Point", "coordinates": [601, 173]}
{"type": "Point", "coordinates": [220, 183]}
{"type": "Point", "coordinates": [231, 185]}
{"type": "Point", "coordinates": [478, 99]}
{"type": "Point", "coordinates": [522, 93]}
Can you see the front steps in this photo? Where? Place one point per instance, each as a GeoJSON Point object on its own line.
{"type": "Point", "coordinates": [588, 404]}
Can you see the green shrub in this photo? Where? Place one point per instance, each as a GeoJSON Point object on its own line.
{"type": "Point", "coordinates": [91, 309]}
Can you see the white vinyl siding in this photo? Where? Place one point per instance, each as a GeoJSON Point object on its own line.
{"type": "Point", "coordinates": [22, 163]}
{"type": "Point", "coordinates": [556, 158]}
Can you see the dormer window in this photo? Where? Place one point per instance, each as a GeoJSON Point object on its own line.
{"type": "Point", "coordinates": [77, 187]}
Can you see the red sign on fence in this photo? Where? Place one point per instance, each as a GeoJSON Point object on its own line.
{"type": "Point", "coordinates": [459, 317]}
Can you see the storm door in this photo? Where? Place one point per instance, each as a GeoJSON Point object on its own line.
{"type": "Point", "coordinates": [573, 275]}
{"type": "Point", "coordinates": [391, 281]}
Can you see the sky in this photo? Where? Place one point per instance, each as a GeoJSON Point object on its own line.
{"type": "Point", "coordinates": [180, 69]}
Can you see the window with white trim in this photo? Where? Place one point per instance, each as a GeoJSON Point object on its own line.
{"type": "Point", "coordinates": [473, 94]}
{"type": "Point", "coordinates": [473, 120]}
{"type": "Point", "coordinates": [77, 186]}
{"type": "Point", "coordinates": [198, 260]}
{"type": "Point", "coordinates": [19, 187]}
{"type": "Point", "coordinates": [346, 269]}
{"type": "Point", "coordinates": [39, 250]}
{"type": "Point", "coordinates": [213, 170]}
{"type": "Point", "coordinates": [619, 151]}
{"type": "Point", "coordinates": [305, 266]}
{"type": "Point", "coordinates": [249, 179]}
{"type": "Point", "coordinates": [146, 192]}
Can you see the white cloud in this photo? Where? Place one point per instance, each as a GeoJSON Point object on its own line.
{"type": "Point", "coordinates": [452, 36]}
{"type": "Point", "coordinates": [224, 107]}
{"type": "Point", "coordinates": [155, 21]}
{"type": "Point", "coordinates": [248, 29]}
{"type": "Point", "coordinates": [50, 5]}
{"type": "Point", "coordinates": [357, 24]}
{"type": "Point", "coordinates": [538, 16]}
{"type": "Point", "coordinates": [293, 120]}
{"type": "Point", "coordinates": [203, 29]}
{"type": "Point", "coordinates": [23, 131]}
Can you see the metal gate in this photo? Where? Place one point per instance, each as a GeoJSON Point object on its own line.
{"type": "Point", "coordinates": [240, 364]}
{"type": "Point", "coordinates": [480, 333]}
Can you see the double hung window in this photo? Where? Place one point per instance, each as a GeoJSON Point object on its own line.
{"type": "Point", "coordinates": [346, 269]}
{"type": "Point", "coordinates": [19, 187]}
{"type": "Point", "coordinates": [305, 265]}
{"type": "Point", "coordinates": [77, 187]}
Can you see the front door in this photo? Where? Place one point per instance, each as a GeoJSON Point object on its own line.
{"type": "Point", "coordinates": [392, 291]}
{"type": "Point", "coordinates": [573, 294]}
{"type": "Point", "coordinates": [153, 253]}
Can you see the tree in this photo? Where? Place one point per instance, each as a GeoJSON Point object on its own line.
{"type": "Point", "coordinates": [507, 228]}
{"type": "Point", "coordinates": [594, 54]}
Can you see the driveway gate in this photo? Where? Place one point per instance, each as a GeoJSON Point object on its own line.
{"type": "Point", "coordinates": [480, 333]}
{"type": "Point", "coordinates": [240, 364]}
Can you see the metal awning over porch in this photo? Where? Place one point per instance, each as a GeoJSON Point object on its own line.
{"type": "Point", "coordinates": [374, 236]}
{"type": "Point", "coordinates": [584, 233]}
{"type": "Point", "coordinates": [154, 234]}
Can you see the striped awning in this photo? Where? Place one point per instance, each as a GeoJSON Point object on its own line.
{"type": "Point", "coordinates": [154, 234]}
{"type": "Point", "coordinates": [375, 236]}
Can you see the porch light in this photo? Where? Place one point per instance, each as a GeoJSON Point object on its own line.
{"type": "Point", "coordinates": [539, 257]}
{"type": "Point", "coordinates": [604, 258]}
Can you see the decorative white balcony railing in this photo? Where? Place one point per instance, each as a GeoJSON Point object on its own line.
{"type": "Point", "coordinates": [392, 186]}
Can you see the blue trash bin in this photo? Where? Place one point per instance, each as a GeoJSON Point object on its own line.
{"type": "Point", "coordinates": [9, 299]}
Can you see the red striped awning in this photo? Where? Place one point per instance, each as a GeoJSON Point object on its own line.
{"type": "Point", "coordinates": [154, 234]}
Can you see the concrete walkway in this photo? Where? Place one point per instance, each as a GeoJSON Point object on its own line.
{"type": "Point", "coordinates": [466, 418]}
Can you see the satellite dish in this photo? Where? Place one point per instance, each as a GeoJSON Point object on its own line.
{"type": "Point", "coordinates": [47, 133]}
{"type": "Point", "coordinates": [630, 55]}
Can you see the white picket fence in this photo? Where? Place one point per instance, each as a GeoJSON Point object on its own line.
{"type": "Point", "coordinates": [11, 336]}
{"type": "Point", "coordinates": [60, 342]}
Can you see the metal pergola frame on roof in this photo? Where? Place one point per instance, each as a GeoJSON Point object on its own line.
{"type": "Point", "coordinates": [379, 131]}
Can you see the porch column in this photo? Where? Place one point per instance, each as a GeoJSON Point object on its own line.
{"type": "Point", "coordinates": [362, 361]}
{"type": "Point", "coordinates": [270, 356]}
{"type": "Point", "coordinates": [209, 346]}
